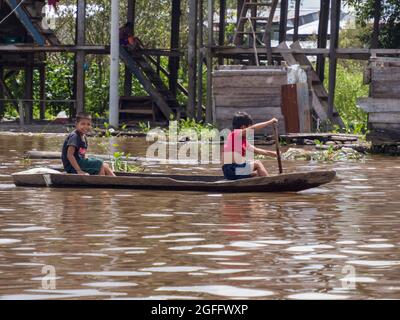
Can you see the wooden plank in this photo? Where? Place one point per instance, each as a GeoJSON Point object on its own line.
{"type": "Point", "coordinates": [385, 89]}
{"type": "Point", "coordinates": [385, 73]}
{"type": "Point", "coordinates": [384, 126]}
{"type": "Point", "coordinates": [246, 101]}
{"type": "Point", "coordinates": [386, 117]}
{"type": "Point", "coordinates": [303, 102]}
{"type": "Point", "coordinates": [318, 107]}
{"type": "Point", "coordinates": [379, 104]}
{"type": "Point", "coordinates": [256, 113]}
{"type": "Point", "coordinates": [288, 57]}
{"type": "Point", "coordinates": [239, 91]}
{"type": "Point", "coordinates": [249, 82]}
{"type": "Point", "coordinates": [290, 108]}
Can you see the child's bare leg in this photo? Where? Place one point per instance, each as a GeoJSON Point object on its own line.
{"type": "Point", "coordinates": [102, 171]}
{"type": "Point", "coordinates": [108, 171]}
{"type": "Point", "coordinates": [259, 167]}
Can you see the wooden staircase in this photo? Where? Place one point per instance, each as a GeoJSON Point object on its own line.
{"type": "Point", "coordinates": [30, 15]}
{"type": "Point", "coordinates": [257, 25]}
{"type": "Point", "coordinates": [137, 63]}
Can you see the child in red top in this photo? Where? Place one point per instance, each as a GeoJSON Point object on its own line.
{"type": "Point", "coordinates": [236, 166]}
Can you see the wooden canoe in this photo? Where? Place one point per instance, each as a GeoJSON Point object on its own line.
{"type": "Point", "coordinates": [292, 182]}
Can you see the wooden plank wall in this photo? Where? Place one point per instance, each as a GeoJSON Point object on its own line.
{"type": "Point", "coordinates": [383, 105]}
{"type": "Point", "coordinates": [256, 91]}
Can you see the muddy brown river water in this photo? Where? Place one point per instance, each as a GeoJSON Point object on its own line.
{"type": "Point", "coordinates": [337, 241]}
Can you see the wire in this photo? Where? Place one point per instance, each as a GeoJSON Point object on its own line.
{"type": "Point", "coordinates": [19, 4]}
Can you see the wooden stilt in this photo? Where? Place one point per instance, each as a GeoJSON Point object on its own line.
{"type": "Point", "coordinates": [222, 25]}
{"type": "Point", "coordinates": [130, 18]}
{"type": "Point", "coordinates": [296, 20]}
{"type": "Point", "coordinates": [80, 40]}
{"type": "Point", "coordinates": [2, 105]}
{"type": "Point", "coordinates": [335, 20]}
{"type": "Point", "coordinates": [283, 21]}
{"type": "Point", "coordinates": [377, 18]}
{"type": "Point", "coordinates": [200, 46]}
{"type": "Point", "coordinates": [192, 48]}
{"type": "Point", "coordinates": [42, 89]}
{"type": "Point", "coordinates": [175, 38]}
{"type": "Point", "coordinates": [322, 36]}
{"type": "Point", "coordinates": [29, 89]}
{"type": "Point", "coordinates": [209, 107]}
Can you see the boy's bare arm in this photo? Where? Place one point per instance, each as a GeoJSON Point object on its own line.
{"type": "Point", "coordinates": [262, 151]}
{"type": "Point", "coordinates": [262, 125]}
{"type": "Point", "coordinates": [72, 160]}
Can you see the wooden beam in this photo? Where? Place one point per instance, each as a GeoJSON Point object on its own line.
{"type": "Point", "coordinates": [130, 18]}
{"type": "Point", "coordinates": [80, 40]}
{"type": "Point", "coordinates": [222, 25]}
{"type": "Point", "coordinates": [42, 91]}
{"type": "Point", "coordinates": [209, 107]}
{"type": "Point", "coordinates": [296, 20]}
{"type": "Point", "coordinates": [175, 41]}
{"type": "Point", "coordinates": [334, 41]}
{"type": "Point", "coordinates": [322, 36]}
{"type": "Point", "coordinates": [283, 20]}
{"type": "Point", "coordinates": [377, 19]}
{"type": "Point", "coordinates": [192, 58]}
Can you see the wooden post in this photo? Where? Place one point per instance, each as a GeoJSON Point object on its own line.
{"type": "Point", "coordinates": [2, 107]}
{"type": "Point", "coordinates": [29, 89]}
{"type": "Point", "coordinates": [377, 18]}
{"type": "Point", "coordinates": [209, 107]}
{"type": "Point", "coordinates": [192, 58]}
{"type": "Point", "coordinates": [114, 65]}
{"type": "Point", "coordinates": [283, 21]}
{"type": "Point", "coordinates": [322, 36]}
{"type": "Point", "coordinates": [222, 25]}
{"type": "Point", "coordinates": [80, 40]}
{"type": "Point", "coordinates": [200, 55]}
{"type": "Point", "coordinates": [174, 61]}
{"type": "Point", "coordinates": [296, 20]}
{"type": "Point", "coordinates": [239, 26]}
{"type": "Point", "coordinates": [42, 90]}
{"type": "Point", "coordinates": [130, 18]}
{"type": "Point", "coordinates": [334, 40]}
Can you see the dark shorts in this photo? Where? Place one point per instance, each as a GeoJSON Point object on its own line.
{"type": "Point", "coordinates": [90, 165]}
{"type": "Point", "coordinates": [236, 171]}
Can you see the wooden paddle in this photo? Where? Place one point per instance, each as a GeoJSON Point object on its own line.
{"type": "Point", "coordinates": [278, 151]}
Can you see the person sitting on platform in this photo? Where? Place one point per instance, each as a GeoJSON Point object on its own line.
{"type": "Point", "coordinates": [236, 165]}
{"type": "Point", "coordinates": [126, 37]}
{"type": "Point", "coordinates": [74, 149]}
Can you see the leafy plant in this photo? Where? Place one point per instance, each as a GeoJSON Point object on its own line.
{"type": "Point", "coordinates": [120, 163]}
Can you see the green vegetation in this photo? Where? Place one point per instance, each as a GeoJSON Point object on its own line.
{"type": "Point", "coordinates": [120, 163]}
{"type": "Point", "coordinates": [389, 35]}
{"type": "Point", "coordinates": [350, 87]}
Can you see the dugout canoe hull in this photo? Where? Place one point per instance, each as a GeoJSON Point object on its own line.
{"type": "Point", "coordinates": [292, 182]}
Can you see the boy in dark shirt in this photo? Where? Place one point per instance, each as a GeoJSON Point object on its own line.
{"type": "Point", "coordinates": [74, 151]}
